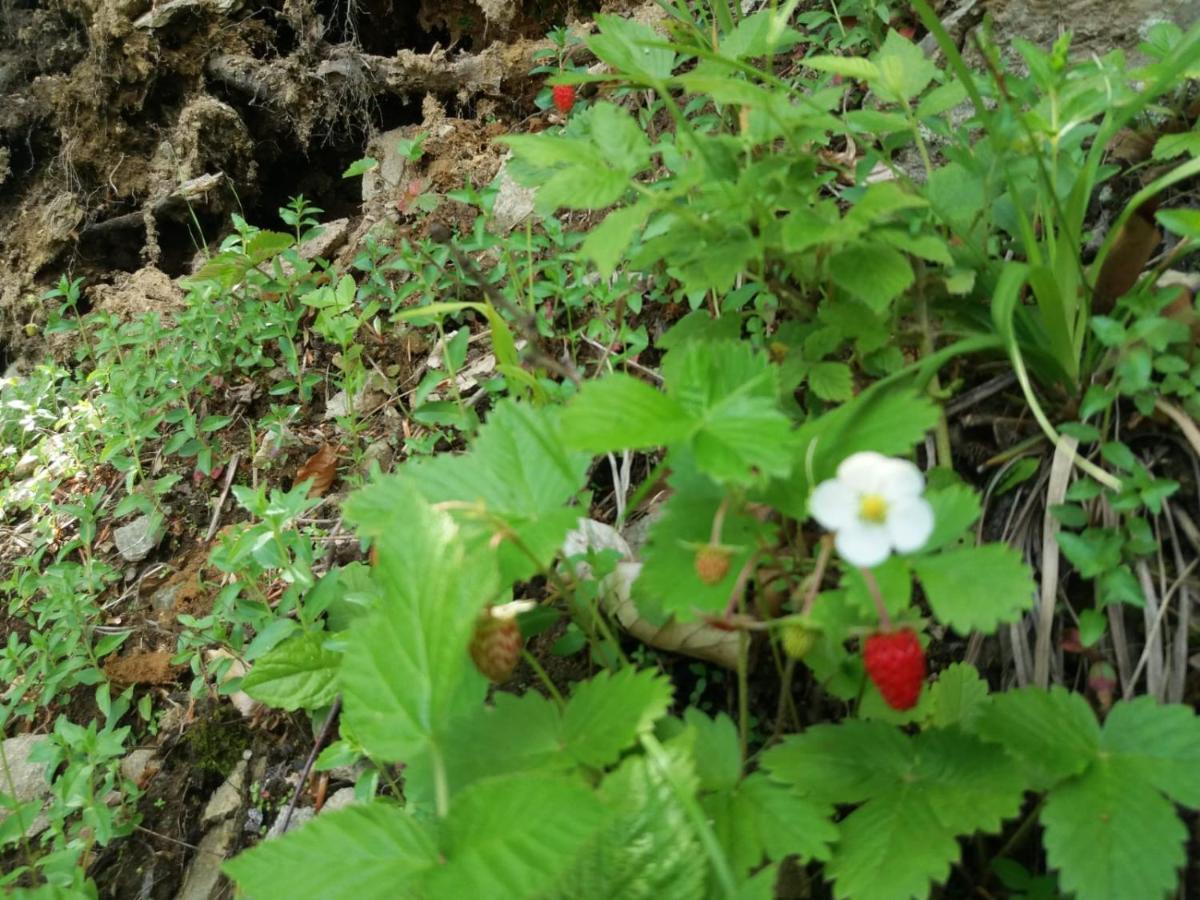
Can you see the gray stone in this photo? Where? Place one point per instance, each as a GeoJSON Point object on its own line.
{"type": "Point", "coordinates": [228, 797]}
{"type": "Point", "coordinates": [204, 880]}
{"type": "Point", "coordinates": [340, 800]}
{"type": "Point", "coordinates": [389, 174]}
{"type": "Point", "coordinates": [300, 815]}
{"type": "Point", "coordinates": [514, 203]}
{"type": "Point", "coordinates": [28, 777]}
{"type": "Point", "coordinates": [136, 540]}
{"type": "Point", "coordinates": [1097, 25]}
{"type": "Point", "coordinates": [137, 763]}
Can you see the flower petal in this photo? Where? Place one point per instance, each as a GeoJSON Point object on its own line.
{"type": "Point", "coordinates": [866, 472]}
{"type": "Point", "coordinates": [909, 524]}
{"type": "Point", "coordinates": [904, 480]}
{"type": "Point", "coordinates": [863, 544]}
{"type": "Point", "coordinates": [833, 504]}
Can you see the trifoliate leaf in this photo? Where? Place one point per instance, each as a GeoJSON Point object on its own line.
{"type": "Point", "coordinates": [958, 697]}
{"type": "Point", "coordinates": [976, 588]}
{"type": "Point", "coordinates": [381, 852]}
{"type": "Point", "coordinates": [606, 714]}
{"type": "Point", "coordinates": [921, 794]}
{"type": "Point", "coordinates": [512, 837]}
{"type": "Point", "coordinates": [296, 674]}
{"type": "Point", "coordinates": [1052, 733]}
{"type": "Point", "coordinates": [406, 673]}
{"type": "Point", "coordinates": [517, 478]}
{"type": "Point", "coordinates": [760, 819]}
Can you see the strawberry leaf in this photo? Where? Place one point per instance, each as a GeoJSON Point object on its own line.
{"type": "Point", "coordinates": [1052, 733]}
{"type": "Point", "coordinates": [921, 794]}
{"type": "Point", "coordinates": [607, 713]}
{"type": "Point", "coordinates": [407, 675]}
{"type": "Point", "coordinates": [298, 673]}
{"type": "Point", "coordinates": [381, 852]}
{"type": "Point", "coordinates": [976, 588]}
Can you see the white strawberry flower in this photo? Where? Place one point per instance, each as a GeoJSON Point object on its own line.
{"type": "Point", "coordinates": [874, 507]}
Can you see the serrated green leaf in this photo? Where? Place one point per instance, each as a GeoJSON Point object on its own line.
{"type": "Point", "coordinates": [921, 794]}
{"type": "Point", "coordinates": [760, 820]}
{"type": "Point", "coordinates": [296, 674]}
{"type": "Point", "coordinates": [517, 478]}
{"type": "Point", "coordinates": [606, 714]}
{"type": "Point", "coordinates": [608, 241]}
{"type": "Point", "coordinates": [976, 588]}
{"type": "Point", "coordinates": [955, 509]}
{"type": "Point", "coordinates": [717, 754]}
{"type": "Point", "coordinates": [744, 439]}
{"type": "Point", "coordinates": [1161, 741]}
{"type": "Point", "coordinates": [668, 584]}
{"type": "Point", "coordinates": [845, 763]}
{"type": "Point", "coordinates": [904, 70]}
{"type": "Point", "coordinates": [1112, 836]}
{"type": "Point", "coordinates": [832, 381]}
{"type": "Point", "coordinates": [649, 849]}
{"type": "Point", "coordinates": [381, 852]}
{"type": "Point", "coordinates": [512, 837]}
{"type": "Point", "coordinates": [874, 273]}
{"type": "Point", "coordinates": [625, 45]}
{"type": "Point", "coordinates": [1171, 145]}
{"type": "Point", "coordinates": [1052, 733]}
{"type": "Point", "coordinates": [406, 674]}
{"type": "Point", "coordinates": [958, 697]}
{"type": "Point", "coordinates": [619, 412]}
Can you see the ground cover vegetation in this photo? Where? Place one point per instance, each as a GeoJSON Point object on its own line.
{"type": "Point", "coordinates": [801, 504]}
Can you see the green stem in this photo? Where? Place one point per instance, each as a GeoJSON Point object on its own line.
{"type": "Point", "coordinates": [543, 677]}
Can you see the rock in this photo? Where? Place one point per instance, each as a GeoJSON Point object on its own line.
{"type": "Point", "coordinates": [228, 797]}
{"type": "Point", "coordinates": [25, 465]}
{"type": "Point", "coordinates": [203, 880]}
{"type": "Point", "coordinates": [389, 174]}
{"type": "Point", "coordinates": [29, 781]}
{"type": "Point", "coordinates": [514, 203]}
{"type": "Point", "coordinates": [136, 540]}
{"type": "Point", "coordinates": [340, 800]}
{"type": "Point", "coordinates": [349, 774]}
{"type": "Point", "coordinates": [1098, 25]}
{"type": "Point", "coordinates": [300, 815]}
{"type": "Point", "coordinates": [380, 452]}
{"type": "Point", "coordinates": [139, 764]}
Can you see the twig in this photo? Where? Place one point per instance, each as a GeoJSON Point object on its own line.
{"type": "Point", "coordinates": [230, 471]}
{"type": "Point", "coordinates": [326, 728]}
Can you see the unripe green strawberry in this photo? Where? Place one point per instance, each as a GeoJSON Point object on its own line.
{"type": "Point", "coordinates": [798, 640]}
{"type": "Point", "coordinates": [712, 563]}
{"type": "Point", "coordinates": [896, 663]}
{"type": "Point", "coordinates": [496, 644]}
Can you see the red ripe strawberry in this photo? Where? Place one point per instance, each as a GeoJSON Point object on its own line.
{"type": "Point", "coordinates": [712, 563]}
{"type": "Point", "coordinates": [564, 97]}
{"type": "Point", "coordinates": [896, 663]}
{"type": "Point", "coordinates": [496, 644]}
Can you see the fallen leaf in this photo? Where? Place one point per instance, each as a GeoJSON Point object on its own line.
{"type": "Point", "coordinates": [321, 467]}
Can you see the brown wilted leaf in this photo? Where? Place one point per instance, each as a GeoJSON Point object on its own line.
{"type": "Point", "coordinates": [1123, 266]}
{"type": "Point", "coordinates": [1131, 147]}
{"type": "Point", "coordinates": [321, 467]}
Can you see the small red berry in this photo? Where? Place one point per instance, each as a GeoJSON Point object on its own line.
{"type": "Point", "coordinates": [564, 97]}
{"type": "Point", "coordinates": [496, 644]}
{"type": "Point", "coordinates": [896, 663]}
{"type": "Point", "coordinates": [712, 563]}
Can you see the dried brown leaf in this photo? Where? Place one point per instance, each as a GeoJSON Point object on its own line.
{"type": "Point", "coordinates": [321, 467]}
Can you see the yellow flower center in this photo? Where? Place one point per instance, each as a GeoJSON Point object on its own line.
{"type": "Point", "coordinates": [873, 508]}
